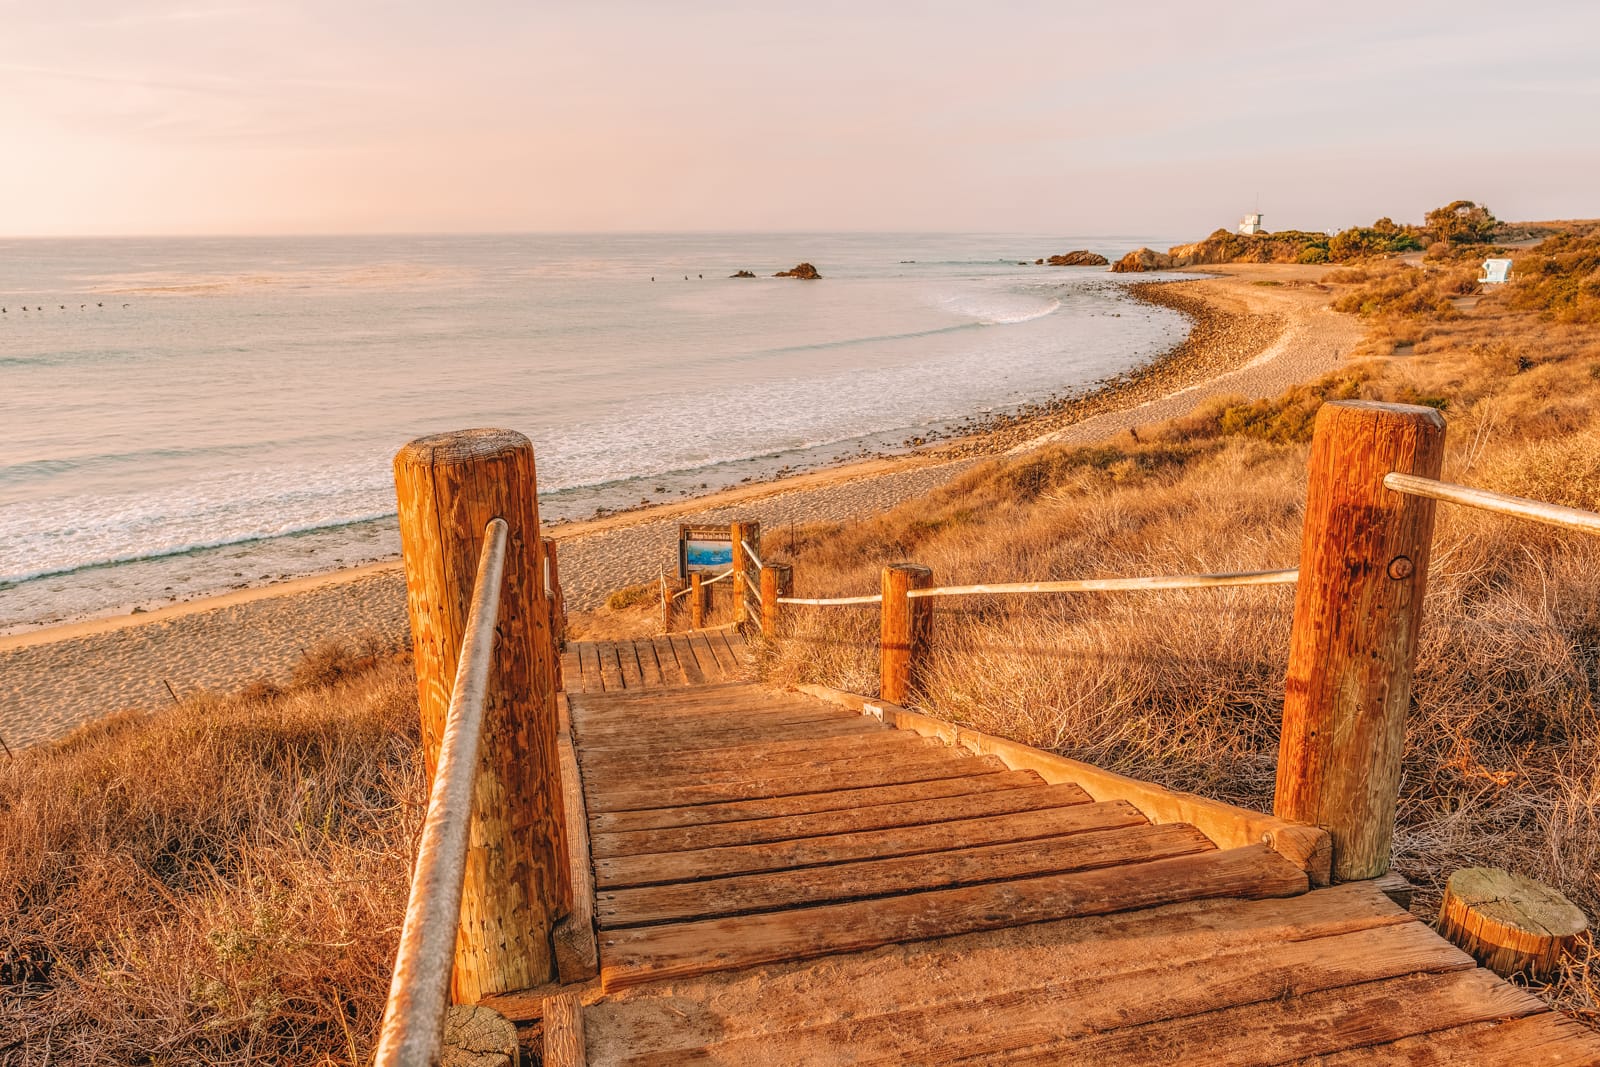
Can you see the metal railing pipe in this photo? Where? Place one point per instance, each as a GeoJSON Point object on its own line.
{"type": "Point", "coordinates": [413, 1020]}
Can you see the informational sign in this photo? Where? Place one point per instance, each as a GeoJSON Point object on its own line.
{"type": "Point", "coordinates": [707, 549]}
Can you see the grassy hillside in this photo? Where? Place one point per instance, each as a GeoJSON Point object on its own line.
{"type": "Point", "coordinates": [1502, 762]}
{"type": "Point", "coordinates": [220, 882]}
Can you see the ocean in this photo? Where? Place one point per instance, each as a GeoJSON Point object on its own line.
{"type": "Point", "coordinates": [184, 416]}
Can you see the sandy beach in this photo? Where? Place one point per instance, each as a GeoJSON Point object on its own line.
{"type": "Point", "coordinates": [1250, 339]}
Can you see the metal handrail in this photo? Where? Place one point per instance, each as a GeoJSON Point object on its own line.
{"type": "Point", "coordinates": [1500, 503]}
{"type": "Point", "coordinates": [1112, 585]}
{"type": "Point", "coordinates": [828, 602]}
{"type": "Point", "coordinates": [751, 553]}
{"type": "Point", "coordinates": [413, 1019]}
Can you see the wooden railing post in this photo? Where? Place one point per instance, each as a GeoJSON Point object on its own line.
{"type": "Point", "coordinates": [697, 601]}
{"type": "Point", "coordinates": [1363, 570]}
{"type": "Point", "coordinates": [558, 602]}
{"type": "Point", "coordinates": [740, 612]}
{"type": "Point", "coordinates": [777, 579]}
{"type": "Point", "coordinates": [904, 631]}
{"type": "Point", "coordinates": [518, 883]}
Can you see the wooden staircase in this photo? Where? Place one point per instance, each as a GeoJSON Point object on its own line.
{"type": "Point", "coordinates": [779, 880]}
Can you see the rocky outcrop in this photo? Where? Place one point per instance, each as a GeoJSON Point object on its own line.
{"type": "Point", "coordinates": [743, 274]}
{"type": "Point", "coordinates": [1080, 258]}
{"type": "Point", "coordinates": [799, 270]}
{"type": "Point", "coordinates": [1143, 259]}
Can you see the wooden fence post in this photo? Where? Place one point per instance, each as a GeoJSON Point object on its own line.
{"type": "Point", "coordinates": [777, 579]}
{"type": "Point", "coordinates": [740, 611]}
{"type": "Point", "coordinates": [697, 601]}
{"type": "Point", "coordinates": [904, 631]}
{"type": "Point", "coordinates": [1358, 605]}
{"type": "Point", "coordinates": [518, 881]}
{"type": "Point", "coordinates": [558, 610]}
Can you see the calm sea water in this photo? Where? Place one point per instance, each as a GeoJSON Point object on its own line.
{"type": "Point", "coordinates": [182, 416]}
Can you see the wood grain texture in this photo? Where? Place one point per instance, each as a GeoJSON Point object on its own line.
{"type": "Point", "coordinates": [630, 957]}
{"type": "Point", "coordinates": [518, 880]}
{"type": "Point", "coordinates": [1509, 923]}
{"type": "Point", "coordinates": [563, 1031]}
{"type": "Point", "coordinates": [806, 803]}
{"type": "Point", "coordinates": [827, 822]}
{"type": "Point", "coordinates": [1363, 570]}
{"type": "Point", "coordinates": [577, 952]}
{"type": "Point", "coordinates": [964, 864]}
{"type": "Point", "coordinates": [656, 868]}
{"type": "Point", "coordinates": [777, 579]}
{"type": "Point", "coordinates": [904, 629]}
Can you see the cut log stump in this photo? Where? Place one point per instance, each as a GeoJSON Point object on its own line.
{"type": "Point", "coordinates": [475, 1036]}
{"type": "Point", "coordinates": [1508, 923]}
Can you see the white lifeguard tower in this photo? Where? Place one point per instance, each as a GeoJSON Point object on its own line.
{"type": "Point", "coordinates": [1251, 223]}
{"type": "Point", "coordinates": [1495, 272]}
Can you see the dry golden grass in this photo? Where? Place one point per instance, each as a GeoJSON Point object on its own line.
{"type": "Point", "coordinates": [1502, 762]}
{"type": "Point", "coordinates": [221, 882]}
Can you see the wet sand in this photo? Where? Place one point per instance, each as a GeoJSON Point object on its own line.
{"type": "Point", "coordinates": [1248, 339]}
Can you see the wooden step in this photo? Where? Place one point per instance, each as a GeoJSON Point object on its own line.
{"type": "Point", "coordinates": [810, 803]}
{"type": "Point", "coordinates": [857, 776]}
{"type": "Point", "coordinates": [761, 778]}
{"type": "Point", "coordinates": [966, 865]}
{"type": "Point", "coordinates": [644, 954]}
{"type": "Point", "coordinates": [663, 867]}
{"type": "Point", "coordinates": [837, 821]}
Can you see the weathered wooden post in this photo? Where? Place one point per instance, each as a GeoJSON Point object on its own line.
{"type": "Point", "coordinates": [1358, 605]}
{"type": "Point", "coordinates": [777, 579]}
{"type": "Point", "coordinates": [558, 609]}
{"type": "Point", "coordinates": [903, 635]}
{"type": "Point", "coordinates": [697, 601]}
{"type": "Point", "coordinates": [741, 612]}
{"type": "Point", "coordinates": [518, 883]}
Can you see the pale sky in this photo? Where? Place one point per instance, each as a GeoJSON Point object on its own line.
{"type": "Point", "coordinates": [202, 116]}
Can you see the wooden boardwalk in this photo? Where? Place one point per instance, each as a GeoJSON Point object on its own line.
{"type": "Point", "coordinates": [779, 880]}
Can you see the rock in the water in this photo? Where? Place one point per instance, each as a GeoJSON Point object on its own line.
{"type": "Point", "coordinates": [743, 274]}
{"type": "Point", "coordinates": [800, 270]}
{"type": "Point", "coordinates": [1143, 259]}
{"type": "Point", "coordinates": [1081, 258]}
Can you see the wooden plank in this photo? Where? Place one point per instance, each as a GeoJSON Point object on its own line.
{"type": "Point", "coordinates": [1545, 1039]}
{"type": "Point", "coordinates": [661, 867]}
{"type": "Point", "coordinates": [647, 740]}
{"type": "Point", "coordinates": [757, 774]}
{"type": "Point", "coordinates": [771, 754]}
{"type": "Point", "coordinates": [571, 670]}
{"type": "Point", "coordinates": [563, 1039]}
{"type": "Point", "coordinates": [671, 672]}
{"type": "Point", "coordinates": [1295, 1028]}
{"type": "Point", "coordinates": [733, 710]}
{"type": "Point", "coordinates": [712, 664]}
{"type": "Point", "coordinates": [649, 664]}
{"type": "Point", "coordinates": [692, 670]}
{"type": "Point", "coordinates": [644, 954]}
{"type": "Point", "coordinates": [734, 641]}
{"type": "Point", "coordinates": [589, 661]}
{"type": "Point", "coordinates": [847, 820]}
{"type": "Point", "coordinates": [1228, 825]}
{"type": "Point", "coordinates": [1055, 1015]}
{"type": "Point", "coordinates": [774, 890]}
{"type": "Point", "coordinates": [712, 792]}
{"type": "Point", "coordinates": [610, 665]}
{"type": "Point", "coordinates": [935, 975]}
{"type": "Point", "coordinates": [628, 661]}
{"type": "Point", "coordinates": [773, 807]}
{"type": "Point", "coordinates": [573, 936]}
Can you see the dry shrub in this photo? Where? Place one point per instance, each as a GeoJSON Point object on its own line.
{"type": "Point", "coordinates": [1502, 760]}
{"type": "Point", "coordinates": [219, 882]}
{"type": "Point", "coordinates": [634, 595]}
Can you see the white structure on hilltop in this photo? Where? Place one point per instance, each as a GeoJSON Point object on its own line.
{"type": "Point", "coordinates": [1495, 272]}
{"type": "Point", "coordinates": [1252, 224]}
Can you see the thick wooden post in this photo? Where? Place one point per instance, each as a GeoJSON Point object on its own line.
{"type": "Point", "coordinates": [558, 602]}
{"type": "Point", "coordinates": [1363, 570]}
{"type": "Point", "coordinates": [518, 882]}
{"type": "Point", "coordinates": [697, 601]}
{"type": "Point", "coordinates": [741, 612]}
{"type": "Point", "coordinates": [777, 579]}
{"type": "Point", "coordinates": [905, 629]}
